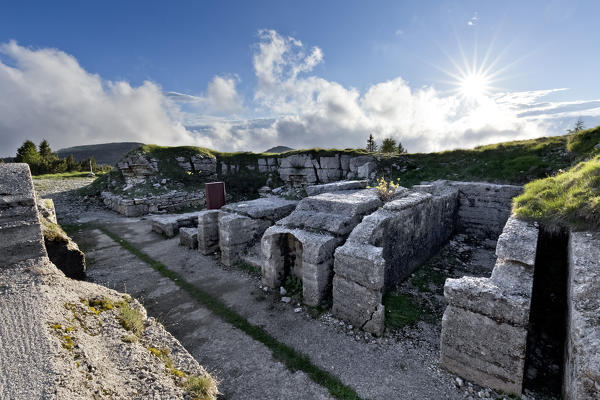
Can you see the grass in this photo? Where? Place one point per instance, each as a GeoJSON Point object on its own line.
{"type": "Point", "coordinates": [568, 199]}
{"type": "Point", "coordinates": [582, 144]}
{"type": "Point", "coordinates": [130, 318]}
{"type": "Point", "coordinates": [514, 162]}
{"type": "Point", "coordinates": [202, 387]}
{"type": "Point", "coordinates": [401, 311]}
{"type": "Point", "coordinates": [291, 358]}
{"type": "Point", "coordinates": [68, 175]}
{"type": "Point", "coordinates": [247, 267]}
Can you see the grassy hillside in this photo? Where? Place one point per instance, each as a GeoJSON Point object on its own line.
{"type": "Point", "coordinates": [570, 198]}
{"type": "Point", "coordinates": [106, 153]}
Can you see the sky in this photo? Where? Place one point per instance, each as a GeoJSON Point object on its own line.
{"type": "Point", "coordinates": [235, 76]}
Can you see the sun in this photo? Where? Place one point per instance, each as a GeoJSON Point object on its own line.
{"type": "Point", "coordinates": [474, 85]}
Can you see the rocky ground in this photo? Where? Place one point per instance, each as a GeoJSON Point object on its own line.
{"type": "Point", "coordinates": [403, 363]}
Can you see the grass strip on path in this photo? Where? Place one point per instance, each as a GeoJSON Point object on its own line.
{"type": "Point", "coordinates": [292, 359]}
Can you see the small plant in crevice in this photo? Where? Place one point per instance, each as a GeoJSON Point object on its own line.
{"type": "Point", "coordinates": [293, 285]}
{"type": "Point", "coordinates": [247, 267]}
{"type": "Point", "coordinates": [386, 189]}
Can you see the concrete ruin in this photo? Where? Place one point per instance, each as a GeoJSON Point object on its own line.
{"type": "Point", "coordinates": [303, 243]}
{"type": "Point", "coordinates": [534, 321]}
{"type": "Point", "coordinates": [388, 245]}
{"type": "Point", "coordinates": [236, 228]}
{"type": "Point", "coordinates": [484, 328]}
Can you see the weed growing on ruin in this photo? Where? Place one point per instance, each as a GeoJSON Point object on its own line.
{"type": "Point", "coordinates": [401, 310]}
{"type": "Point", "coordinates": [290, 357]}
{"type": "Point", "coordinates": [130, 318]}
{"type": "Point", "coordinates": [247, 267]}
{"type": "Point", "coordinates": [202, 387]}
{"type": "Point", "coordinates": [129, 338]}
{"type": "Point", "coordinates": [165, 355]}
{"type": "Point", "coordinates": [386, 189]}
{"type": "Point", "coordinates": [293, 285]}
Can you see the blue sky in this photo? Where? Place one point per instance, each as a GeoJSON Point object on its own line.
{"type": "Point", "coordinates": [369, 55]}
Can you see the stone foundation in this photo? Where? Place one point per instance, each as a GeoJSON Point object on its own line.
{"type": "Point", "coordinates": [169, 225]}
{"type": "Point", "coordinates": [582, 357]}
{"type": "Point", "coordinates": [316, 227]}
{"type": "Point", "coordinates": [236, 228]}
{"type": "Point", "coordinates": [484, 328]}
{"type": "Point", "coordinates": [168, 202]}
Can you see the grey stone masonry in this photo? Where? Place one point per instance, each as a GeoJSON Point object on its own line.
{"type": "Point", "coordinates": [303, 244]}
{"type": "Point", "coordinates": [169, 225]}
{"type": "Point", "coordinates": [484, 208]}
{"type": "Point", "coordinates": [335, 187]}
{"type": "Point", "coordinates": [208, 231]}
{"type": "Point", "coordinates": [188, 237]}
{"type": "Point", "coordinates": [582, 357]}
{"type": "Point", "coordinates": [237, 227]}
{"type": "Point", "coordinates": [484, 327]}
{"type": "Point", "coordinates": [20, 232]}
{"type": "Point", "coordinates": [171, 201]}
{"type": "Point", "coordinates": [385, 248]}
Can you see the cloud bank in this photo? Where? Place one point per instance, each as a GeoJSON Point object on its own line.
{"type": "Point", "coordinates": [47, 94]}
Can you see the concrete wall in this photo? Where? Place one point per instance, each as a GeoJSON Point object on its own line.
{"type": "Point", "coordinates": [170, 202]}
{"type": "Point", "coordinates": [20, 232]}
{"type": "Point", "coordinates": [484, 208]}
{"type": "Point", "coordinates": [385, 248]}
{"type": "Point", "coordinates": [582, 357]}
{"type": "Point", "coordinates": [484, 327]}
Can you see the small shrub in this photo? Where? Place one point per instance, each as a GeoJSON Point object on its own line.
{"type": "Point", "coordinates": [129, 338]}
{"type": "Point", "coordinates": [202, 387]}
{"type": "Point", "coordinates": [386, 189]}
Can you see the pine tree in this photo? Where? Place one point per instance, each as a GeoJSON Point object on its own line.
{"type": "Point", "coordinates": [371, 145]}
{"type": "Point", "coordinates": [27, 153]}
{"type": "Point", "coordinates": [45, 151]}
{"type": "Point", "coordinates": [578, 126]}
{"type": "Point", "coordinates": [388, 145]}
{"type": "Point", "coordinates": [71, 165]}
{"type": "Point", "coordinates": [401, 148]}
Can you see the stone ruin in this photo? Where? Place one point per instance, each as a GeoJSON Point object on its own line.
{"type": "Point", "coordinates": [303, 243]}
{"type": "Point", "coordinates": [296, 171]}
{"type": "Point", "coordinates": [236, 228]}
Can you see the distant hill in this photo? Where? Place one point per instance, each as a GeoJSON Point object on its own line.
{"type": "Point", "coordinates": [106, 153]}
{"type": "Point", "coordinates": [278, 149]}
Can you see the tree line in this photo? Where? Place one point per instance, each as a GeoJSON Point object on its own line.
{"type": "Point", "coordinates": [388, 145]}
{"type": "Point", "coordinates": [42, 160]}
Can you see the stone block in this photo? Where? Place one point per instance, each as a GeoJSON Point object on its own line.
{"type": "Point", "coordinates": [270, 208]}
{"type": "Point", "coordinates": [335, 187]}
{"type": "Point", "coordinates": [208, 231]}
{"type": "Point", "coordinates": [582, 356]}
{"type": "Point", "coordinates": [236, 233]}
{"type": "Point", "coordinates": [361, 263]}
{"type": "Point", "coordinates": [357, 304]}
{"type": "Point", "coordinates": [365, 170]}
{"type": "Point", "coordinates": [483, 350]}
{"type": "Point", "coordinates": [316, 282]}
{"type": "Point", "coordinates": [482, 296]}
{"type": "Point", "coordinates": [518, 241]}
{"type": "Point", "coordinates": [188, 237]}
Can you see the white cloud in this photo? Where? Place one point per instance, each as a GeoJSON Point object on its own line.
{"type": "Point", "coordinates": [47, 94]}
{"type": "Point", "coordinates": [474, 20]}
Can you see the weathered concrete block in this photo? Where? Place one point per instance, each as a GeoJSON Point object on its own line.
{"type": "Point", "coordinates": [335, 187]}
{"type": "Point", "coordinates": [237, 233]}
{"type": "Point", "coordinates": [188, 237]}
{"type": "Point", "coordinates": [208, 231]}
{"type": "Point", "coordinates": [361, 263]}
{"type": "Point", "coordinates": [482, 296]}
{"type": "Point", "coordinates": [316, 282]}
{"type": "Point", "coordinates": [356, 303]}
{"type": "Point", "coordinates": [270, 208]}
{"type": "Point", "coordinates": [582, 356]}
{"type": "Point", "coordinates": [518, 242]}
{"type": "Point", "coordinates": [483, 350]}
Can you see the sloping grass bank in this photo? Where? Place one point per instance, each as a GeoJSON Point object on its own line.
{"type": "Point", "coordinates": [568, 199]}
